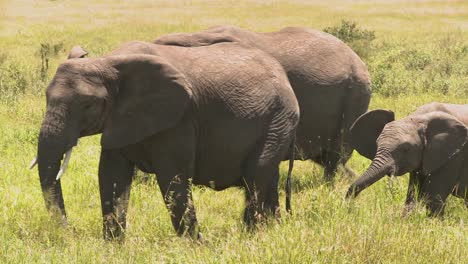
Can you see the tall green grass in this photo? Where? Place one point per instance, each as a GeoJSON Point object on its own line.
{"type": "Point", "coordinates": [418, 55]}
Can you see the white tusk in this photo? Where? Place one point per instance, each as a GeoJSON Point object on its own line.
{"type": "Point", "coordinates": [64, 164]}
{"type": "Point", "coordinates": [33, 163]}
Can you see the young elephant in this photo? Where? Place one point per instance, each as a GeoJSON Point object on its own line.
{"type": "Point", "coordinates": [330, 81]}
{"type": "Point", "coordinates": [430, 144]}
{"type": "Point", "coordinates": [218, 116]}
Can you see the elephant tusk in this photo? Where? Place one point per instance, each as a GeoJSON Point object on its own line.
{"type": "Point", "coordinates": [33, 163]}
{"type": "Point", "coordinates": [64, 164]}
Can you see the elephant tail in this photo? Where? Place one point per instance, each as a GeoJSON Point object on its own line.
{"type": "Point", "coordinates": [288, 179]}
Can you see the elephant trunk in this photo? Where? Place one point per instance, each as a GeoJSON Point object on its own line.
{"type": "Point", "coordinates": [377, 170]}
{"type": "Point", "coordinates": [53, 142]}
{"type": "Point", "coordinates": [52, 189]}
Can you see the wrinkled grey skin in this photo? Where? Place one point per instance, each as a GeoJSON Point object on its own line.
{"type": "Point", "coordinates": [218, 116]}
{"type": "Point", "coordinates": [330, 81]}
{"type": "Point", "coordinates": [431, 144]}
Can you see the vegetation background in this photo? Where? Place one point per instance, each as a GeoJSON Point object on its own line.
{"type": "Point", "coordinates": [416, 51]}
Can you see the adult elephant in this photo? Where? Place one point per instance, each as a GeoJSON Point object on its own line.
{"type": "Point", "coordinates": [331, 83]}
{"type": "Point", "coordinates": [219, 116]}
{"type": "Point", "coordinates": [431, 144]}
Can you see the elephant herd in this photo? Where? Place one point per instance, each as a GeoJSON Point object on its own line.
{"type": "Point", "coordinates": [223, 107]}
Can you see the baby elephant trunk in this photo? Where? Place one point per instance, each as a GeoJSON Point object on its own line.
{"type": "Point", "coordinates": [375, 172]}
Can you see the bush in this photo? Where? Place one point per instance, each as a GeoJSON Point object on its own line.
{"type": "Point", "coordinates": [358, 39]}
{"type": "Point", "coordinates": [12, 80]}
{"type": "Point", "coordinates": [415, 59]}
{"type": "Point", "coordinates": [46, 52]}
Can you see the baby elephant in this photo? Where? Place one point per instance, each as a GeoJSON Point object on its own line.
{"type": "Point", "coordinates": [430, 144]}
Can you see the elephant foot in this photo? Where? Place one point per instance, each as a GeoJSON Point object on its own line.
{"type": "Point", "coordinates": [329, 176]}
{"type": "Point", "coordinates": [408, 209]}
{"type": "Point", "coordinates": [252, 218]}
{"type": "Point", "coordinates": [58, 217]}
{"type": "Point", "coordinates": [61, 220]}
{"type": "Point", "coordinates": [199, 238]}
{"type": "Point", "coordinates": [188, 227]}
{"type": "Point", "coordinates": [112, 230]}
{"type": "Point", "coordinates": [276, 212]}
{"type": "Point", "coordinates": [436, 210]}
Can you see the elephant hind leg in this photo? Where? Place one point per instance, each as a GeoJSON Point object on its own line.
{"type": "Point", "coordinates": [261, 190]}
{"type": "Point", "coordinates": [437, 189]}
{"type": "Point", "coordinates": [261, 176]}
{"type": "Point", "coordinates": [356, 103]}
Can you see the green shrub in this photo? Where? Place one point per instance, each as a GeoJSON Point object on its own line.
{"type": "Point", "coordinates": [46, 52]}
{"type": "Point", "coordinates": [358, 39]}
{"type": "Point", "coordinates": [348, 31]}
{"type": "Point", "coordinates": [415, 59]}
{"type": "Point", "coordinates": [12, 80]}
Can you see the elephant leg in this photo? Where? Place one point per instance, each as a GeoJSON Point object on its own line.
{"type": "Point", "coordinates": [261, 180]}
{"type": "Point", "coordinates": [335, 155]}
{"type": "Point", "coordinates": [356, 103]}
{"type": "Point", "coordinates": [436, 191]}
{"type": "Point", "coordinates": [436, 203]}
{"type": "Point", "coordinates": [330, 162]}
{"type": "Point", "coordinates": [177, 194]}
{"type": "Point", "coordinates": [272, 199]}
{"type": "Point", "coordinates": [173, 160]}
{"type": "Point", "coordinates": [115, 179]}
{"type": "Point", "coordinates": [413, 186]}
{"type": "Point", "coordinates": [261, 199]}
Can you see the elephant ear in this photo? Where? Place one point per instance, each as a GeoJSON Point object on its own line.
{"type": "Point", "coordinates": [367, 128]}
{"type": "Point", "coordinates": [151, 96]}
{"type": "Point", "coordinates": [445, 137]}
{"type": "Point", "coordinates": [77, 52]}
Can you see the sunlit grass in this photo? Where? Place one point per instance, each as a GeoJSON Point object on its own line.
{"type": "Point", "coordinates": [324, 228]}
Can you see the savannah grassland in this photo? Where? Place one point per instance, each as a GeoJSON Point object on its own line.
{"type": "Point", "coordinates": [419, 55]}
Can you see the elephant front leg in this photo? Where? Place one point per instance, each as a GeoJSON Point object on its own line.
{"type": "Point", "coordinates": [177, 195]}
{"type": "Point", "coordinates": [413, 187]}
{"type": "Point", "coordinates": [330, 166]}
{"type": "Point", "coordinates": [330, 161]}
{"type": "Point", "coordinates": [115, 179]}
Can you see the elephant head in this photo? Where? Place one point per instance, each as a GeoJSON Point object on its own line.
{"type": "Point", "coordinates": [77, 52]}
{"type": "Point", "coordinates": [124, 97]}
{"type": "Point", "coordinates": [421, 142]}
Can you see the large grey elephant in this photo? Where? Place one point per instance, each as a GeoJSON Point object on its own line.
{"type": "Point", "coordinates": [219, 116]}
{"type": "Point", "coordinates": [431, 144]}
{"type": "Point", "coordinates": [330, 81]}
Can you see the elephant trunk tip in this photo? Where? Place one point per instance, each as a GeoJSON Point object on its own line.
{"type": "Point", "coordinates": [352, 192]}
